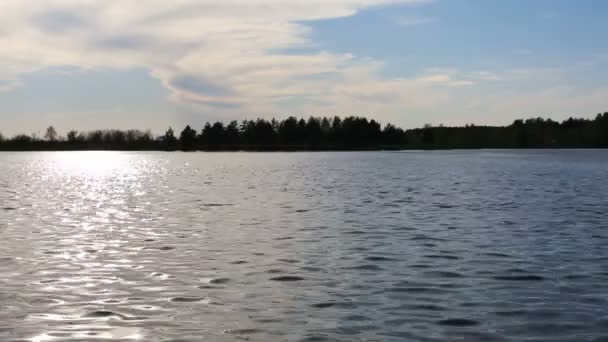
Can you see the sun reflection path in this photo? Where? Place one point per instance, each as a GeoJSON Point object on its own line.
{"type": "Point", "coordinates": [92, 164]}
{"type": "Point", "coordinates": [84, 250]}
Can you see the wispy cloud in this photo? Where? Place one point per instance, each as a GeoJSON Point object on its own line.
{"type": "Point", "coordinates": [203, 51]}
{"type": "Point", "coordinates": [437, 78]}
{"type": "Point", "coordinates": [6, 85]}
{"type": "Point", "coordinates": [224, 58]}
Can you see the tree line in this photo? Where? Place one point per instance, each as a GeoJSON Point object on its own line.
{"type": "Point", "coordinates": [324, 133]}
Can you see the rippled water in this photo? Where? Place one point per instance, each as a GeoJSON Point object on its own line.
{"type": "Point", "coordinates": [420, 246]}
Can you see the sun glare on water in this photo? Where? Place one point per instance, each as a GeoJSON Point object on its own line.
{"type": "Point", "coordinates": [91, 164]}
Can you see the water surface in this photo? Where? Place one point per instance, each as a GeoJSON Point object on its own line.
{"type": "Point", "coordinates": [378, 246]}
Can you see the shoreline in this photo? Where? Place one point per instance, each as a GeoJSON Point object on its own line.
{"type": "Point", "coordinates": [295, 150]}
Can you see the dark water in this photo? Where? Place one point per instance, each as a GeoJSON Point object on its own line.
{"type": "Point", "coordinates": [416, 246]}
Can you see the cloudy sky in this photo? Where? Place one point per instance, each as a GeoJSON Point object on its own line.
{"type": "Point", "coordinates": [87, 64]}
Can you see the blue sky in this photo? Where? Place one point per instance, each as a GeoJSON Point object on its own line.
{"type": "Point", "coordinates": [471, 34]}
{"type": "Point", "coordinates": [151, 64]}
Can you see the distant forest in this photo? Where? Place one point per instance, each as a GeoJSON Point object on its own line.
{"type": "Point", "coordinates": [322, 133]}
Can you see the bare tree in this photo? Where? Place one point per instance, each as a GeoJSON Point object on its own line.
{"type": "Point", "coordinates": [72, 136]}
{"type": "Point", "coordinates": [51, 134]}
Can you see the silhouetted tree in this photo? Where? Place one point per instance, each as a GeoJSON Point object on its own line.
{"type": "Point", "coordinates": [232, 134]}
{"type": "Point", "coordinates": [264, 132]}
{"type": "Point", "coordinates": [336, 130]}
{"type": "Point", "coordinates": [115, 137]}
{"type": "Point", "coordinates": [288, 131]}
{"type": "Point", "coordinates": [325, 127]}
{"type": "Point", "coordinates": [51, 134]}
{"type": "Point", "coordinates": [428, 138]}
{"type": "Point", "coordinates": [169, 140]}
{"type": "Point", "coordinates": [313, 131]}
{"type": "Point", "coordinates": [601, 124]}
{"type": "Point", "coordinates": [301, 131]}
{"type": "Point", "coordinates": [72, 137]}
{"type": "Point", "coordinates": [393, 135]}
{"type": "Point", "coordinates": [333, 133]}
{"type": "Point", "coordinates": [22, 140]}
{"type": "Point", "coordinates": [187, 138]}
{"type": "Point", "coordinates": [213, 135]}
{"type": "Point", "coordinates": [145, 138]}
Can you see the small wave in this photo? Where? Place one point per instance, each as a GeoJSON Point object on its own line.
{"type": "Point", "coordinates": [244, 331]}
{"type": "Point", "coordinates": [109, 314]}
{"type": "Point", "coordinates": [510, 313]}
{"type": "Point", "coordinates": [162, 248]}
{"type": "Point", "coordinates": [356, 318]}
{"type": "Point", "coordinates": [423, 307]}
{"type": "Point", "coordinates": [289, 261]}
{"type": "Point", "coordinates": [311, 269]}
{"type": "Point", "coordinates": [274, 271]}
{"type": "Point", "coordinates": [187, 299]}
{"type": "Point", "coordinates": [444, 274]}
{"type": "Point", "coordinates": [520, 278]}
{"type": "Point", "coordinates": [356, 232]}
{"type": "Point", "coordinates": [497, 255]}
{"type": "Point", "coordinates": [287, 278]}
{"type": "Point", "coordinates": [219, 281]}
{"type": "Point", "coordinates": [418, 290]}
{"type": "Point", "coordinates": [379, 258]}
{"type": "Point", "coordinates": [365, 267]}
{"type": "Point", "coordinates": [238, 262]}
{"type": "Point", "coordinates": [422, 237]}
{"type": "Point", "coordinates": [458, 322]}
{"type": "Point", "coordinates": [576, 276]}
{"type": "Point", "coordinates": [439, 256]}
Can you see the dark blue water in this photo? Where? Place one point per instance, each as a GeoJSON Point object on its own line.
{"type": "Point", "coordinates": [379, 246]}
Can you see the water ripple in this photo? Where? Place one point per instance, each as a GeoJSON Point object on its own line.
{"type": "Point", "coordinates": [416, 246]}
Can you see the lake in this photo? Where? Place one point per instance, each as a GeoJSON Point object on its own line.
{"type": "Point", "coordinates": [354, 246]}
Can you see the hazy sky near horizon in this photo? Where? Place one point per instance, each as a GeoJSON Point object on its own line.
{"type": "Point", "coordinates": [84, 64]}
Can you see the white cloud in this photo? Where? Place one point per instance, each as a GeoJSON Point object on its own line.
{"type": "Point", "coordinates": [221, 56]}
{"type": "Point", "coordinates": [438, 78]}
{"type": "Point", "coordinates": [462, 83]}
{"type": "Point", "coordinates": [209, 53]}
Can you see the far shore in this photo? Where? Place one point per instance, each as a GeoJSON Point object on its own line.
{"type": "Point", "coordinates": [326, 134]}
